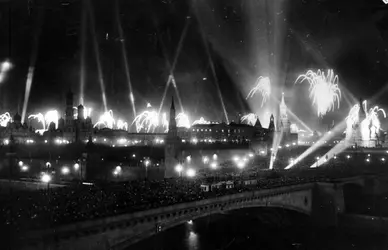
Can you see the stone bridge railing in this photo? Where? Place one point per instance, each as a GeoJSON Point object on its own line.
{"type": "Point", "coordinates": [120, 231]}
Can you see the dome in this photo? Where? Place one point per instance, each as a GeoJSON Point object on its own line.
{"type": "Point", "coordinates": [17, 118]}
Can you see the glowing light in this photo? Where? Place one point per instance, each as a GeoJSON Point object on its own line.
{"type": "Point", "coordinates": [24, 168]}
{"type": "Point", "coordinates": [20, 163]}
{"type": "Point", "coordinates": [179, 168]}
{"type": "Point", "coordinates": [250, 119]}
{"type": "Point", "coordinates": [240, 164]}
{"type": "Point", "coordinates": [4, 68]}
{"type": "Point", "coordinates": [213, 165]}
{"type": "Point", "coordinates": [76, 166]}
{"type": "Point", "coordinates": [205, 159]}
{"type": "Point", "coordinates": [183, 120]}
{"type": "Point", "coordinates": [201, 121]}
{"type": "Point", "coordinates": [46, 178]}
{"type": "Point", "coordinates": [51, 116]}
{"type": "Point", "coordinates": [263, 85]}
{"type": "Point", "coordinates": [188, 158]}
{"type": "Point", "coordinates": [324, 90]}
{"type": "Point", "coordinates": [149, 120]}
{"type": "Point", "coordinates": [65, 170]}
{"type": "Point", "coordinates": [5, 119]}
{"type": "Point", "coordinates": [190, 172]}
{"type": "Point", "coordinates": [106, 120]}
{"type": "Point", "coordinates": [122, 125]}
{"type": "Point", "coordinates": [368, 128]}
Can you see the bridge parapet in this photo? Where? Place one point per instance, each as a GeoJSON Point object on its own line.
{"type": "Point", "coordinates": [119, 232]}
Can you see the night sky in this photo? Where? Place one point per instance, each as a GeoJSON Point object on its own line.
{"type": "Point", "coordinates": [244, 39]}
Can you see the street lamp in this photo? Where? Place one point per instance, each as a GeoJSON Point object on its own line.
{"type": "Point", "coordinates": [146, 164]}
{"type": "Point", "coordinates": [179, 169]}
{"type": "Point", "coordinates": [205, 159]}
{"type": "Point", "coordinates": [213, 165]}
{"type": "Point", "coordinates": [190, 173]}
{"type": "Point", "coordinates": [20, 163]}
{"type": "Point", "coordinates": [76, 166]}
{"type": "Point", "coordinates": [240, 164]}
{"type": "Point", "coordinates": [65, 170]}
{"type": "Point", "coordinates": [46, 178]}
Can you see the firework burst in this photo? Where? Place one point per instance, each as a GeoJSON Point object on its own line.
{"type": "Point", "coordinates": [201, 121]}
{"type": "Point", "coordinates": [122, 125]}
{"type": "Point", "coordinates": [369, 127]}
{"type": "Point", "coordinates": [147, 120]}
{"type": "Point", "coordinates": [324, 90]}
{"type": "Point", "coordinates": [250, 119]}
{"type": "Point", "coordinates": [263, 85]}
{"type": "Point", "coordinates": [106, 120]}
{"type": "Point", "coordinates": [5, 119]}
{"type": "Point", "coordinates": [183, 120]}
{"type": "Point", "coordinates": [46, 119]}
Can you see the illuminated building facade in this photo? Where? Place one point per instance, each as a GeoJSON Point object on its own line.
{"type": "Point", "coordinates": [21, 133]}
{"type": "Point", "coordinates": [71, 128]}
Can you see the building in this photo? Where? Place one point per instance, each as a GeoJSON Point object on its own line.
{"type": "Point", "coordinates": [72, 128]}
{"type": "Point", "coordinates": [22, 133]}
{"type": "Point", "coordinates": [172, 152]}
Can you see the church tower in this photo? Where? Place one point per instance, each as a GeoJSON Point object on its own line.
{"type": "Point", "coordinates": [271, 126]}
{"type": "Point", "coordinates": [171, 150]}
{"type": "Point", "coordinates": [284, 123]}
{"type": "Point", "coordinates": [69, 112]}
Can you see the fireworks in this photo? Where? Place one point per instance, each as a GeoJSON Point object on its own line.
{"type": "Point", "coordinates": [106, 120]}
{"type": "Point", "coordinates": [352, 120]}
{"type": "Point", "coordinates": [147, 120]}
{"type": "Point", "coordinates": [250, 119]}
{"type": "Point", "coordinates": [183, 120]}
{"type": "Point", "coordinates": [122, 125]}
{"type": "Point", "coordinates": [324, 90]}
{"type": "Point", "coordinates": [50, 117]}
{"type": "Point", "coordinates": [5, 119]}
{"type": "Point", "coordinates": [369, 127]}
{"type": "Point", "coordinates": [263, 85]}
{"type": "Point", "coordinates": [201, 121]}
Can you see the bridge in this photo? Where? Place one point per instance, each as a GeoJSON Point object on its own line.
{"type": "Point", "coordinates": [323, 201]}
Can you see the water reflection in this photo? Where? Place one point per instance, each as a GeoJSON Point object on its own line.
{"type": "Point", "coordinates": [192, 241]}
{"type": "Point", "coordinates": [259, 229]}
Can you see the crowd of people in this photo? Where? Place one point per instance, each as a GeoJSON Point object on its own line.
{"type": "Point", "coordinates": [49, 208]}
{"type": "Point", "coordinates": [22, 211]}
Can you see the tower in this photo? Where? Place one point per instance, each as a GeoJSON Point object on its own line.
{"type": "Point", "coordinates": [69, 112]}
{"type": "Point", "coordinates": [171, 150]}
{"type": "Point", "coordinates": [172, 129]}
{"type": "Point", "coordinates": [81, 113]}
{"type": "Point", "coordinates": [284, 123]}
{"type": "Point", "coordinates": [271, 126]}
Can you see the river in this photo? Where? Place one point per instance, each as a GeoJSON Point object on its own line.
{"type": "Point", "coordinates": [261, 228]}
